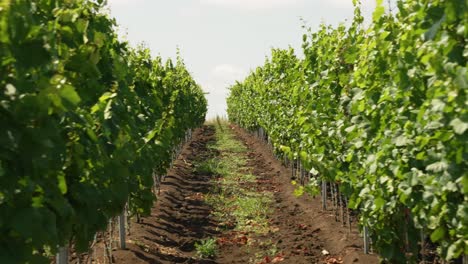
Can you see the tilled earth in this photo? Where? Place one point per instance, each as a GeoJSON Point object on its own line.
{"type": "Point", "coordinates": [180, 218]}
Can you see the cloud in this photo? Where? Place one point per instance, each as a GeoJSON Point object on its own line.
{"type": "Point", "coordinates": [217, 83]}
{"type": "Point", "coordinates": [229, 72]}
{"type": "Point", "coordinates": [124, 2]}
{"type": "Point", "coordinates": [253, 4]}
{"type": "Point", "coordinates": [190, 12]}
{"type": "Point", "coordinates": [341, 3]}
{"type": "Point", "coordinates": [366, 5]}
{"type": "Point", "coordinates": [346, 4]}
{"type": "Point", "coordinates": [217, 93]}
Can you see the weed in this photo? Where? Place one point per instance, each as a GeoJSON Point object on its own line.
{"type": "Point", "coordinates": [226, 142]}
{"type": "Point", "coordinates": [206, 248]}
{"type": "Point", "coordinates": [210, 166]}
{"type": "Point", "coordinates": [220, 125]}
{"type": "Point", "coordinates": [312, 188]}
{"type": "Point", "coordinates": [252, 212]}
{"type": "Point", "coordinates": [237, 202]}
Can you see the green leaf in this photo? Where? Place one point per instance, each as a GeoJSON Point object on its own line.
{"type": "Point", "coordinates": [350, 129]}
{"type": "Point", "coordinates": [379, 202]}
{"type": "Point", "coordinates": [462, 78]}
{"type": "Point", "coordinates": [150, 135]}
{"type": "Point", "coordinates": [459, 126]}
{"type": "Point", "coordinates": [108, 110]}
{"type": "Point", "coordinates": [401, 141]}
{"type": "Point", "coordinates": [455, 250]}
{"type": "Point", "coordinates": [465, 185]}
{"type": "Point", "coordinates": [92, 135]}
{"type": "Point", "coordinates": [68, 93]}
{"type": "Point", "coordinates": [313, 171]}
{"type": "Point", "coordinates": [62, 183]}
{"type": "Point", "coordinates": [82, 25]}
{"type": "Point", "coordinates": [25, 221]}
{"type": "Point", "coordinates": [378, 12]}
{"type": "Point", "coordinates": [10, 90]}
{"type": "Point", "coordinates": [107, 95]}
{"type": "Point", "coordinates": [438, 234]}
{"type": "Point", "coordinates": [421, 156]}
{"type": "Point", "coordinates": [387, 252]}
{"type": "Point", "coordinates": [437, 166]}
{"type": "Point", "coordinates": [299, 191]}
{"type": "Point", "coordinates": [38, 201]}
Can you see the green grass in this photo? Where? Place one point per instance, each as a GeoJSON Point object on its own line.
{"type": "Point", "coordinates": [235, 199]}
{"type": "Point", "coordinates": [210, 166]}
{"type": "Point", "coordinates": [251, 213]}
{"type": "Point", "coordinates": [225, 139]}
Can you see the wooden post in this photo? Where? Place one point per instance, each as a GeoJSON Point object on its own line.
{"type": "Point", "coordinates": [122, 231]}
{"type": "Point", "coordinates": [341, 208]}
{"type": "Point", "coordinates": [292, 168]}
{"type": "Point", "coordinates": [423, 245]}
{"type": "Point", "coordinates": [332, 197]}
{"type": "Point", "coordinates": [324, 195]}
{"type": "Point", "coordinates": [299, 168]}
{"type": "Point", "coordinates": [348, 213]}
{"type": "Point", "coordinates": [366, 240]}
{"type": "Point", "coordinates": [62, 255]}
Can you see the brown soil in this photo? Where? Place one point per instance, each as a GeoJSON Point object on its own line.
{"type": "Point", "coordinates": [180, 217]}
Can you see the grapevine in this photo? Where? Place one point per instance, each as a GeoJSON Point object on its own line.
{"type": "Point", "coordinates": [85, 122]}
{"type": "Point", "coordinates": [381, 110]}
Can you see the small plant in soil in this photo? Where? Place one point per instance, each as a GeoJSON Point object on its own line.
{"type": "Point", "coordinates": [311, 188]}
{"type": "Point", "coordinates": [220, 125]}
{"type": "Point", "coordinates": [206, 248]}
{"type": "Point", "coordinates": [210, 166]}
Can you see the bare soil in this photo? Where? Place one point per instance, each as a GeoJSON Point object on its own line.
{"type": "Point", "coordinates": [180, 218]}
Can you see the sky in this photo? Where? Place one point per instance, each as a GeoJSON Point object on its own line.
{"type": "Point", "coordinates": [221, 41]}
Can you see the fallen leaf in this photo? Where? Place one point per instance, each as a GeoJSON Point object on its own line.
{"type": "Point", "coordinates": [277, 259]}
{"type": "Point", "coordinates": [274, 229]}
{"type": "Point", "coordinates": [333, 260]}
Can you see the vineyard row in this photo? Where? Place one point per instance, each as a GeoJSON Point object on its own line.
{"type": "Point", "coordinates": [86, 124]}
{"type": "Point", "coordinates": [378, 113]}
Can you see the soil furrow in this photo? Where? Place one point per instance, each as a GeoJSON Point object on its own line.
{"type": "Point", "coordinates": [180, 217]}
{"type": "Point", "coordinates": [298, 230]}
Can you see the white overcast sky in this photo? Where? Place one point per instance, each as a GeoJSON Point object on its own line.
{"type": "Point", "coordinates": [222, 40]}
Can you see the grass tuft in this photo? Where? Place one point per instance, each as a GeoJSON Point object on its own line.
{"type": "Point", "coordinates": [206, 248]}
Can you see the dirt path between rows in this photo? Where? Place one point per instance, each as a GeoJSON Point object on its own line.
{"type": "Point", "coordinates": [305, 229]}
{"type": "Point", "coordinates": [180, 217]}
